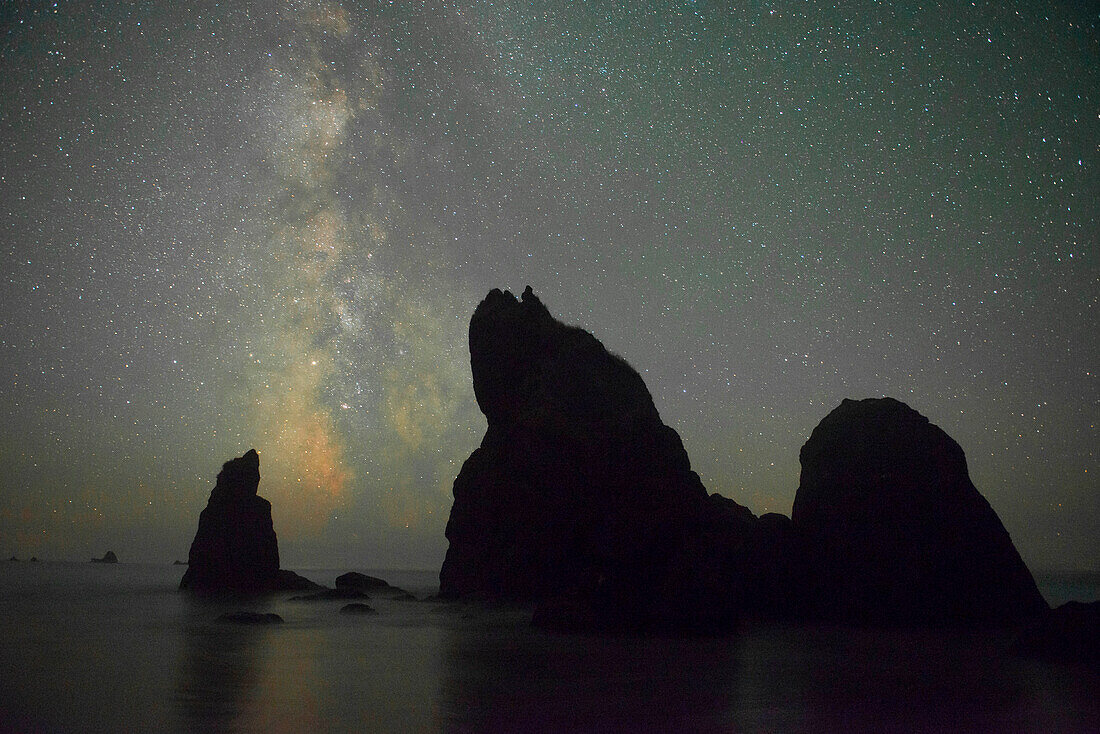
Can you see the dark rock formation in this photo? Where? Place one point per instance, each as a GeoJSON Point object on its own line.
{"type": "Point", "coordinates": [178, 562]}
{"type": "Point", "coordinates": [1068, 634]}
{"type": "Point", "coordinates": [579, 497]}
{"type": "Point", "coordinates": [895, 531]}
{"type": "Point", "coordinates": [108, 557]}
{"type": "Point", "coordinates": [235, 548]}
{"type": "Point", "coordinates": [250, 618]}
{"type": "Point", "coordinates": [358, 608]}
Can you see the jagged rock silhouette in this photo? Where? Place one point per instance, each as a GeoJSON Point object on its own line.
{"type": "Point", "coordinates": [580, 497]}
{"type": "Point", "coordinates": [235, 548]}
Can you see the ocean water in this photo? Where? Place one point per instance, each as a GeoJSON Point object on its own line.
{"type": "Point", "coordinates": [96, 647]}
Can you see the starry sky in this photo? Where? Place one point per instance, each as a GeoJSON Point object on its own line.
{"type": "Point", "coordinates": [236, 225]}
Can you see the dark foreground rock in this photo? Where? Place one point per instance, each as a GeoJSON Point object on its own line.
{"type": "Point", "coordinates": [235, 548]}
{"type": "Point", "coordinates": [1068, 634]}
{"type": "Point", "coordinates": [250, 618]}
{"type": "Point", "coordinates": [580, 498]}
{"type": "Point", "coordinates": [108, 557]}
{"type": "Point", "coordinates": [357, 608]}
{"type": "Point", "coordinates": [895, 531]}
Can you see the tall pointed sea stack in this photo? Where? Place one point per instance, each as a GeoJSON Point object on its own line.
{"type": "Point", "coordinates": [579, 491]}
{"type": "Point", "coordinates": [896, 531]}
{"type": "Point", "coordinates": [235, 548]}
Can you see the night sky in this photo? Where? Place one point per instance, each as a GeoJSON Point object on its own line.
{"type": "Point", "coordinates": [233, 226]}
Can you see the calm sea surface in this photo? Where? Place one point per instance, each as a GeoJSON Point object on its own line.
{"type": "Point", "coordinates": [94, 647]}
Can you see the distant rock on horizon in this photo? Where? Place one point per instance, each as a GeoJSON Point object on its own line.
{"type": "Point", "coordinates": [580, 498]}
{"type": "Point", "coordinates": [895, 531]}
{"type": "Point", "coordinates": [108, 557]}
{"type": "Point", "coordinates": [235, 547]}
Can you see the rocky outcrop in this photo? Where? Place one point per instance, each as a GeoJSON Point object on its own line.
{"type": "Point", "coordinates": [235, 548]}
{"type": "Point", "coordinates": [580, 498]}
{"type": "Point", "coordinates": [895, 531]}
{"type": "Point", "coordinates": [582, 501]}
{"type": "Point", "coordinates": [108, 557]}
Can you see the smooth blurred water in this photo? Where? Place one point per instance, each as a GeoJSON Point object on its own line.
{"type": "Point", "coordinates": [96, 647]}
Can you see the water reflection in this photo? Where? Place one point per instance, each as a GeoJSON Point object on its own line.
{"type": "Point", "coordinates": [507, 677]}
{"type": "Point", "coordinates": [217, 671]}
{"type": "Point", "coordinates": [502, 676]}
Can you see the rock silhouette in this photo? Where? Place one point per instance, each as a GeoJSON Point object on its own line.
{"type": "Point", "coordinates": [580, 498]}
{"type": "Point", "coordinates": [895, 531]}
{"type": "Point", "coordinates": [108, 557]}
{"type": "Point", "coordinates": [235, 548]}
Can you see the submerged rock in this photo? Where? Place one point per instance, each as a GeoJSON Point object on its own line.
{"type": "Point", "coordinates": [235, 548]}
{"type": "Point", "coordinates": [250, 618]}
{"type": "Point", "coordinates": [108, 557]}
{"type": "Point", "coordinates": [895, 531]}
{"type": "Point", "coordinates": [328, 594]}
{"type": "Point", "coordinates": [358, 608]}
{"type": "Point", "coordinates": [579, 496]}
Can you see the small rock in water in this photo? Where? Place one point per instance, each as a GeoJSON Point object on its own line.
{"type": "Point", "coordinates": [251, 618]}
{"type": "Point", "coordinates": [354, 580]}
{"type": "Point", "coordinates": [358, 608]}
{"type": "Point", "coordinates": [331, 594]}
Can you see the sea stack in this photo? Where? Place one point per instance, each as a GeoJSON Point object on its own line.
{"type": "Point", "coordinates": [580, 498]}
{"type": "Point", "coordinates": [235, 548]}
{"type": "Point", "coordinates": [895, 531]}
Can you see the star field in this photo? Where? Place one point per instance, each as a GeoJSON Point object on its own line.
{"type": "Point", "coordinates": [267, 224]}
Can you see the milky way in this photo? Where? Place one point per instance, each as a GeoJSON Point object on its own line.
{"type": "Point", "coordinates": [266, 225]}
